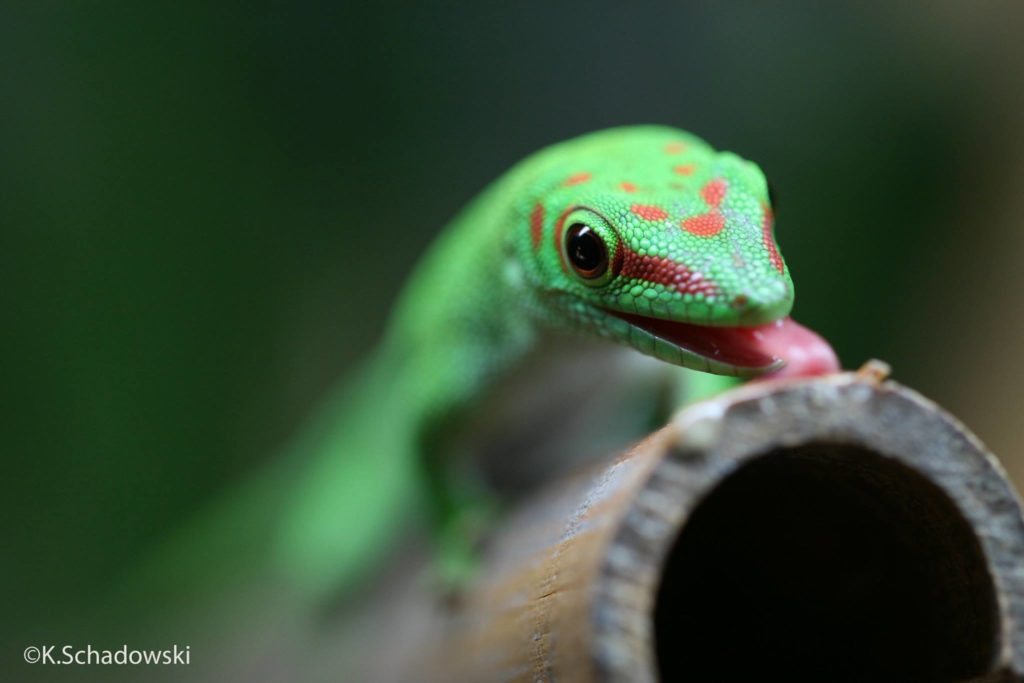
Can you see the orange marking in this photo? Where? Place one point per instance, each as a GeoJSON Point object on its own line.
{"type": "Point", "coordinates": [537, 224]}
{"type": "Point", "coordinates": [768, 235]}
{"type": "Point", "coordinates": [627, 187]}
{"type": "Point", "coordinates": [660, 270]}
{"type": "Point", "coordinates": [576, 179]}
{"type": "Point", "coordinates": [684, 169]}
{"type": "Point", "coordinates": [714, 192]}
{"type": "Point", "coordinates": [648, 212]}
{"type": "Point", "coordinates": [705, 225]}
{"type": "Point", "coordinates": [674, 148]}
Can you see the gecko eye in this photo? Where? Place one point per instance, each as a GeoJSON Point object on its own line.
{"type": "Point", "coordinates": [586, 251]}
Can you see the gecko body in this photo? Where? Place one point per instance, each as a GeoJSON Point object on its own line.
{"type": "Point", "coordinates": [642, 238]}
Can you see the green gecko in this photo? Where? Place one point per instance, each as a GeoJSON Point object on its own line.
{"type": "Point", "coordinates": [643, 236]}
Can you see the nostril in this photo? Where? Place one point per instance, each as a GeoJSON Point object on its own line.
{"type": "Point", "coordinates": [740, 301]}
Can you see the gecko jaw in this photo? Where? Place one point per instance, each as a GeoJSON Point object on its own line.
{"type": "Point", "coordinates": [720, 350]}
{"type": "Point", "coordinates": [780, 348]}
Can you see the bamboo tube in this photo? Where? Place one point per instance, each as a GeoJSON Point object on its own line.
{"type": "Point", "coordinates": [836, 529]}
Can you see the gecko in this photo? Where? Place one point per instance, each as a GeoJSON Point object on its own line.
{"type": "Point", "coordinates": [642, 239]}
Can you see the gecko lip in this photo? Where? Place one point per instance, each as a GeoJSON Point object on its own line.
{"type": "Point", "coordinates": [738, 347]}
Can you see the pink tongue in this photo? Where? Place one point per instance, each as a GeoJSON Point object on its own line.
{"type": "Point", "coordinates": [804, 351]}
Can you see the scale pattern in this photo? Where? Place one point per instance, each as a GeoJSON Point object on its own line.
{"type": "Point", "coordinates": [691, 228]}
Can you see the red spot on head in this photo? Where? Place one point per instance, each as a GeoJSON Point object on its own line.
{"type": "Point", "coordinates": [660, 270]}
{"type": "Point", "coordinates": [627, 187]}
{"type": "Point", "coordinates": [649, 212]}
{"type": "Point", "coordinates": [705, 225]}
{"type": "Point", "coordinates": [714, 192]}
{"type": "Point", "coordinates": [576, 179]}
{"type": "Point", "coordinates": [536, 224]}
{"type": "Point", "coordinates": [684, 169]}
{"type": "Point", "coordinates": [674, 148]}
{"type": "Point", "coordinates": [768, 236]}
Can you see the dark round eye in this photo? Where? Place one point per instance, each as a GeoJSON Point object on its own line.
{"type": "Point", "coordinates": [586, 251]}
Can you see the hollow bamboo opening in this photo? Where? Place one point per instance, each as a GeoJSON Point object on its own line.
{"type": "Point", "coordinates": [825, 562]}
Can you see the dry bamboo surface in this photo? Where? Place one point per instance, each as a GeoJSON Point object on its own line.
{"type": "Point", "coordinates": [835, 529]}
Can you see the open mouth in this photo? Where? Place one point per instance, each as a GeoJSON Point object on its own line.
{"type": "Point", "coordinates": [783, 345]}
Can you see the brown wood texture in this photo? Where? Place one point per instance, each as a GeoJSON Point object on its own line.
{"type": "Point", "coordinates": [840, 528]}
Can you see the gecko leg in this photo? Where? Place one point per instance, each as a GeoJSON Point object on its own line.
{"type": "Point", "coordinates": [464, 511]}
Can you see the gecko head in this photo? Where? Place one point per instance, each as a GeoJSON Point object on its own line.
{"type": "Point", "coordinates": [668, 246]}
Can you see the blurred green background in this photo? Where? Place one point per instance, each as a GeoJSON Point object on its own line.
{"type": "Point", "coordinates": [207, 209]}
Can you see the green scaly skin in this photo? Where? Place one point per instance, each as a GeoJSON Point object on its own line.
{"type": "Point", "coordinates": [688, 233]}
